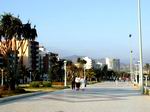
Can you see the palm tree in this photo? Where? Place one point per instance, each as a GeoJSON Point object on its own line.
{"type": "Point", "coordinates": [147, 68]}
{"type": "Point", "coordinates": [90, 74]}
{"type": "Point", "coordinates": [81, 63]}
{"type": "Point", "coordinates": [71, 69]}
{"type": "Point", "coordinates": [56, 68]}
{"type": "Point", "coordinates": [12, 36]}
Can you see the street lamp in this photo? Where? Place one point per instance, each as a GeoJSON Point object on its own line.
{"type": "Point", "coordinates": [84, 67]}
{"type": "Point", "coordinates": [65, 72]}
{"type": "Point", "coordinates": [2, 80]}
{"type": "Point", "coordinates": [140, 48]}
{"type": "Point", "coordinates": [131, 61]}
{"type": "Point", "coordinates": [30, 76]}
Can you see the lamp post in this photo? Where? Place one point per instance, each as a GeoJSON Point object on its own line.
{"type": "Point", "coordinates": [131, 61]}
{"type": "Point", "coordinates": [30, 76]}
{"type": "Point", "coordinates": [2, 80]}
{"type": "Point", "coordinates": [140, 49]}
{"type": "Point", "coordinates": [65, 72]}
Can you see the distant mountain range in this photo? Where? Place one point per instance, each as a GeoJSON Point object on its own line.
{"type": "Point", "coordinates": [74, 58]}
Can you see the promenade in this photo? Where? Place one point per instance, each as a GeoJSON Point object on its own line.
{"type": "Point", "coordinates": [100, 97]}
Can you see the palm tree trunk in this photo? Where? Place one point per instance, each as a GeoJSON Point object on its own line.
{"type": "Point", "coordinates": [14, 74]}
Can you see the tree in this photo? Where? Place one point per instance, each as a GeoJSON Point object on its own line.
{"type": "Point", "coordinates": [71, 70]}
{"type": "Point", "coordinates": [147, 68]}
{"type": "Point", "coordinates": [13, 35]}
{"type": "Point", "coordinates": [90, 74]}
{"type": "Point", "coordinates": [56, 71]}
{"type": "Point", "coordinates": [81, 63]}
{"type": "Point", "coordinates": [104, 72]}
{"type": "Point", "coordinates": [98, 74]}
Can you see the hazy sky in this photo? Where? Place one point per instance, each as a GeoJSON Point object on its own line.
{"type": "Point", "coordinates": [94, 28]}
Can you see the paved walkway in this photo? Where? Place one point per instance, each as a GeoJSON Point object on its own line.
{"type": "Point", "coordinates": [101, 97]}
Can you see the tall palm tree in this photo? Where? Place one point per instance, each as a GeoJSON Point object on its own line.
{"type": "Point", "coordinates": [12, 36]}
{"type": "Point", "coordinates": [71, 70]}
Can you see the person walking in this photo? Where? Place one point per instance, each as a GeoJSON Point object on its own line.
{"type": "Point", "coordinates": [73, 83]}
{"type": "Point", "coordinates": [77, 81]}
{"type": "Point", "coordinates": [82, 81]}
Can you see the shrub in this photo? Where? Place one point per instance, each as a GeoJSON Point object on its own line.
{"type": "Point", "coordinates": [57, 83]}
{"type": "Point", "coordinates": [46, 84]}
{"type": "Point", "coordinates": [19, 90]}
{"type": "Point", "coordinates": [3, 88]}
{"type": "Point", "coordinates": [35, 84]}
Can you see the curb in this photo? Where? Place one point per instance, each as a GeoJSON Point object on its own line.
{"type": "Point", "coordinates": [21, 96]}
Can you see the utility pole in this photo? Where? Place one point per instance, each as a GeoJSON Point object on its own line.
{"type": "Point", "coordinates": [65, 77]}
{"type": "Point", "coordinates": [131, 61]}
{"type": "Point", "coordinates": [140, 48]}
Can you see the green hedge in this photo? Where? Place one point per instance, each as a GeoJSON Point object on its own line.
{"type": "Point", "coordinates": [46, 84]}
{"type": "Point", "coordinates": [36, 84]}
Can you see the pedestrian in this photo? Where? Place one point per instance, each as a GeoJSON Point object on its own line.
{"type": "Point", "coordinates": [85, 81]}
{"type": "Point", "coordinates": [77, 81]}
{"type": "Point", "coordinates": [82, 81]}
{"type": "Point", "coordinates": [116, 81]}
{"type": "Point", "coordinates": [73, 83]}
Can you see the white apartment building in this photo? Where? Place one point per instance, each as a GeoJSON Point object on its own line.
{"type": "Point", "coordinates": [88, 64]}
{"type": "Point", "coordinates": [42, 54]}
{"type": "Point", "coordinates": [113, 64]}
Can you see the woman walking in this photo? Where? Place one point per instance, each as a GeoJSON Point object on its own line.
{"type": "Point", "coordinates": [77, 80]}
{"type": "Point", "coordinates": [82, 80]}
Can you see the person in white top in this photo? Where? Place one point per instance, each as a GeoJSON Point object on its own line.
{"type": "Point", "coordinates": [82, 81]}
{"type": "Point", "coordinates": [77, 80]}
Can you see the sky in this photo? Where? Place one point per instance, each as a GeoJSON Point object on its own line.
{"type": "Point", "coordinates": [94, 28]}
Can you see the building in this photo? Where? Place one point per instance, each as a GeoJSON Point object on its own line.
{"type": "Point", "coordinates": [29, 52]}
{"type": "Point", "coordinates": [42, 54]}
{"type": "Point", "coordinates": [113, 64]}
{"type": "Point", "coordinates": [89, 62]}
{"type": "Point", "coordinates": [44, 57]}
{"type": "Point", "coordinates": [97, 65]}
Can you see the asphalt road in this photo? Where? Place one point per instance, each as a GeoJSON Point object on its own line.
{"type": "Point", "coordinates": [101, 97]}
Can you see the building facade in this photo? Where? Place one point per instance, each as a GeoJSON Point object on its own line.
{"type": "Point", "coordinates": [113, 64]}
{"type": "Point", "coordinates": [89, 62]}
{"type": "Point", "coordinates": [29, 52]}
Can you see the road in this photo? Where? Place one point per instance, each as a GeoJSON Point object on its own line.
{"type": "Point", "coordinates": [100, 97]}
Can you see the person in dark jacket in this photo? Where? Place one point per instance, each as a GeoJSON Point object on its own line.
{"type": "Point", "coordinates": [73, 83]}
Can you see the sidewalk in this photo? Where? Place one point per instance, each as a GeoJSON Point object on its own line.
{"type": "Point", "coordinates": [21, 96]}
{"type": "Point", "coordinates": [100, 97]}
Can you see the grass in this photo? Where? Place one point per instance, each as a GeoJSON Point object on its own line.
{"type": "Point", "coordinates": [6, 93]}
{"type": "Point", "coordinates": [25, 88]}
{"type": "Point", "coordinates": [148, 83]}
{"type": "Point", "coordinates": [46, 89]}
